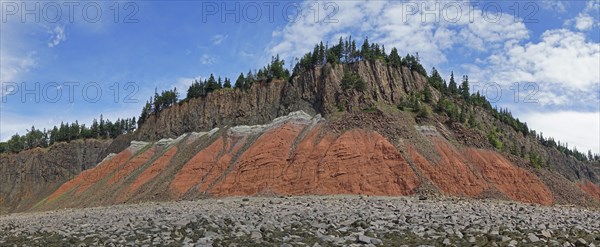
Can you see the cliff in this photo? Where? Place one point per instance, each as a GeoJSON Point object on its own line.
{"type": "Point", "coordinates": [30, 175]}
{"type": "Point", "coordinates": [314, 91]}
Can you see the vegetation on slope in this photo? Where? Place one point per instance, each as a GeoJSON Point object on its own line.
{"type": "Point", "coordinates": [67, 132]}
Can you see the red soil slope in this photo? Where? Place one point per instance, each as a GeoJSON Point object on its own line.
{"type": "Point", "coordinates": [471, 171]}
{"type": "Point", "coordinates": [357, 162]}
{"type": "Point", "coordinates": [514, 182]}
{"type": "Point", "coordinates": [193, 171]}
{"type": "Point", "coordinates": [153, 170]}
{"type": "Point", "coordinates": [590, 188]}
{"type": "Point", "coordinates": [92, 176]}
{"type": "Point", "coordinates": [299, 158]}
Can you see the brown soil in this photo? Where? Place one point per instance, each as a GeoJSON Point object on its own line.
{"type": "Point", "coordinates": [473, 172]}
{"type": "Point", "coordinates": [590, 188]}
{"type": "Point", "coordinates": [153, 170]}
{"type": "Point", "coordinates": [87, 178]}
{"type": "Point", "coordinates": [131, 166]}
{"type": "Point", "coordinates": [193, 171]}
{"type": "Point", "coordinates": [357, 162]}
{"type": "Point", "coordinates": [514, 182]}
{"type": "Point", "coordinates": [449, 174]}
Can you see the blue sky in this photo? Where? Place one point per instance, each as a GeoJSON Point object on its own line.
{"type": "Point", "coordinates": [551, 48]}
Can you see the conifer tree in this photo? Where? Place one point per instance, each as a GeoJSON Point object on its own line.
{"type": "Point", "coordinates": [464, 87]}
{"type": "Point", "coordinates": [239, 83]}
{"type": "Point", "coordinates": [452, 87]}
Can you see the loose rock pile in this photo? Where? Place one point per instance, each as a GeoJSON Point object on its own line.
{"type": "Point", "coordinates": [308, 221]}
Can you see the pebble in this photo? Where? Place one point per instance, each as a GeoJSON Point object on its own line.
{"type": "Point", "coordinates": [296, 221]}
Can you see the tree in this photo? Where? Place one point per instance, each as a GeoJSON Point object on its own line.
{"type": "Point", "coordinates": [249, 80]}
{"type": "Point", "coordinates": [15, 144]}
{"type": "Point", "coordinates": [227, 83]}
{"type": "Point", "coordinates": [436, 80]}
{"type": "Point", "coordinates": [212, 84]}
{"type": "Point", "coordinates": [395, 59]}
{"type": "Point", "coordinates": [321, 56]}
{"type": "Point", "coordinates": [195, 90]}
{"type": "Point", "coordinates": [428, 94]}
{"type": "Point", "coordinates": [353, 81]}
{"type": "Point", "coordinates": [366, 50]}
{"type": "Point", "coordinates": [239, 83]}
{"type": "Point", "coordinates": [464, 88]}
{"type": "Point", "coordinates": [95, 128]}
{"type": "Point", "coordinates": [3, 147]}
{"type": "Point", "coordinates": [452, 87]}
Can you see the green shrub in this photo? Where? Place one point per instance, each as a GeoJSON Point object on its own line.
{"type": "Point", "coordinates": [425, 111]}
{"type": "Point", "coordinates": [353, 81]}
{"type": "Point", "coordinates": [535, 160]}
{"type": "Point", "coordinates": [493, 139]}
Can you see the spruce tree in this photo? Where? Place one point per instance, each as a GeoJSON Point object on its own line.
{"type": "Point", "coordinates": [365, 51]}
{"type": "Point", "coordinates": [452, 87]}
{"type": "Point", "coordinates": [239, 83]}
{"type": "Point", "coordinates": [395, 59]}
{"type": "Point", "coordinates": [227, 83]}
{"type": "Point", "coordinates": [428, 94]}
{"type": "Point", "coordinates": [465, 88]}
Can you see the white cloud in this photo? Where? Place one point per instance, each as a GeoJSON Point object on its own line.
{"type": "Point", "coordinates": [584, 22]}
{"type": "Point", "coordinates": [217, 39]}
{"type": "Point", "coordinates": [553, 5]}
{"type": "Point", "coordinates": [207, 59]}
{"type": "Point", "coordinates": [17, 56]}
{"type": "Point", "coordinates": [587, 19]}
{"type": "Point", "coordinates": [390, 23]}
{"type": "Point", "coordinates": [13, 66]}
{"type": "Point", "coordinates": [563, 64]}
{"type": "Point", "coordinates": [58, 35]}
{"type": "Point", "coordinates": [578, 129]}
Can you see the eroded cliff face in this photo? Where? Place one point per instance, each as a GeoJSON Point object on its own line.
{"type": "Point", "coordinates": [300, 155]}
{"type": "Point", "coordinates": [314, 91]}
{"type": "Point", "coordinates": [30, 175]}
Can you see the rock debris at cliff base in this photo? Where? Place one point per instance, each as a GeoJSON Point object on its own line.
{"type": "Point", "coordinates": [308, 221]}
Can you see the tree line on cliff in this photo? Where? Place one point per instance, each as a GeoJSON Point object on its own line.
{"type": "Point", "coordinates": [66, 132]}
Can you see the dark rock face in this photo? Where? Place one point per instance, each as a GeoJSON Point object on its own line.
{"type": "Point", "coordinates": [31, 175]}
{"type": "Point", "coordinates": [314, 91]}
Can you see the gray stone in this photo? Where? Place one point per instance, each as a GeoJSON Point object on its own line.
{"type": "Point", "coordinates": [256, 235]}
{"type": "Point", "coordinates": [581, 242]}
{"type": "Point", "coordinates": [532, 238]}
{"type": "Point", "coordinates": [472, 239]}
{"type": "Point", "coordinates": [376, 241]}
{"type": "Point", "coordinates": [364, 239]}
{"type": "Point", "coordinates": [446, 242]}
{"type": "Point", "coordinates": [546, 233]}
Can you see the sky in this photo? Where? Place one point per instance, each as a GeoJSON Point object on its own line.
{"type": "Point", "coordinates": [74, 60]}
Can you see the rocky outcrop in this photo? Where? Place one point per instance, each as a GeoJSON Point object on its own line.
{"type": "Point", "coordinates": [31, 175]}
{"type": "Point", "coordinates": [314, 91]}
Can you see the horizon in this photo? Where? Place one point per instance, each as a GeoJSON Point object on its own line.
{"type": "Point", "coordinates": [542, 65]}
